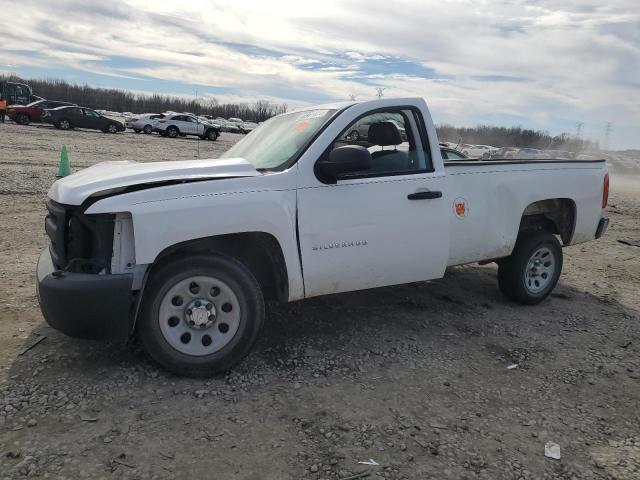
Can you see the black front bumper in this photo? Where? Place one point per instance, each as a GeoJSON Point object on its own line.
{"type": "Point", "coordinates": [85, 305]}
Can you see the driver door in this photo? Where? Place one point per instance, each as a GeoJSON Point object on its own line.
{"type": "Point", "coordinates": [384, 226]}
{"type": "Point", "coordinates": [91, 119]}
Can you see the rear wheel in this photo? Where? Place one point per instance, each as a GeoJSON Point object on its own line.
{"type": "Point", "coordinates": [112, 128]}
{"type": "Point", "coordinates": [173, 132]}
{"type": "Point", "coordinates": [201, 314]}
{"type": "Point", "coordinates": [532, 271]}
{"type": "Point", "coordinates": [64, 124]}
{"type": "Point", "coordinates": [147, 129]}
{"type": "Point", "coordinates": [23, 119]}
{"type": "Point", "coordinates": [212, 135]}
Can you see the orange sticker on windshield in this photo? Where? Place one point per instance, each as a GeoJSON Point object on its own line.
{"type": "Point", "coordinates": [301, 126]}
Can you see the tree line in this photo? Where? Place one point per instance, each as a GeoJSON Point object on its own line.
{"type": "Point", "coordinates": [514, 137]}
{"type": "Point", "coordinates": [113, 99]}
{"type": "Point", "coordinates": [116, 100]}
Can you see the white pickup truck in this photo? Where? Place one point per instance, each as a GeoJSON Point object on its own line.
{"type": "Point", "coordinates": [183, 253]}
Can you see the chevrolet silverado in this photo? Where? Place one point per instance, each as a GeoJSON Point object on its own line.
{"type": "Point", "coordinates": [183, 253]}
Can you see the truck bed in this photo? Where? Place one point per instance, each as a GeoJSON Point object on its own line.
{"type": "Point", "coordinates": [502, 190]}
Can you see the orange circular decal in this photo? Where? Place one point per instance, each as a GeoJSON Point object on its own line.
{"type": "Point", "coordinates": [461, 207]}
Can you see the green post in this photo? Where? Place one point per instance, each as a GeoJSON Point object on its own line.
{"type": "Point", "coordinates": [63, 167]}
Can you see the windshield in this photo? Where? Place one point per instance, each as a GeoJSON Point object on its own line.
{"type": "Point", "coordinates": [277, 141]}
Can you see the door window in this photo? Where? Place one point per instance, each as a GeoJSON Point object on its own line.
{"type": "Point", "coordinates": [91, 114]}
{"type": "Point", "coordinates": [395, 138]}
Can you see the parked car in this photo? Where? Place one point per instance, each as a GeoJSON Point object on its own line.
{"type": "Point", "coordinates": [143, 123]}
{"type": "Point", "coordinates": [184, 124]}
{"type": "Point", "coordinates": [361, 132]}
{"type": "Point", "coordinates": [249, 127]}
{"type": "Point", "coordinates": [504, 152]}
{"type": "Point", "coordinates": [80, 117]}
{"type": "Point", "coordinates": [526, 153]}
{"type": "Point", "coordinates": [289, 213]}
{"type": "Point", "coordinates": [479, 151]}
{"type": "Point", "coordinates": [25, 114]}
{"type": "Point", "coordinates": [449, 154]}
{"type": "Point", "coordinates": [560, 154]}
{"type": "Point", "coordinates": [227, 126]}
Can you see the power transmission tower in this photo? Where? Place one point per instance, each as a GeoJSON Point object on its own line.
{"type": "Point", "coordinates": [579, 126]}
{"type": "Point", "coordinates": [352, 97]}
{"type": "Point", "coordinates": [380, 90]}
{"type": "Point", "coordinates": [607, 134]}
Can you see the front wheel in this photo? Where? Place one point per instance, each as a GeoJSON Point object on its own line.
{"type": "Point", "coordinates": [112, 128]}
{"type": "Point", "coordinates": [172, 132]}
{"type": "Point", "coordinates": [201, 314]}
{"type": "Point", "coordinates": [147, 129]}
{"type": "Point", "coordinates": [532, 271]}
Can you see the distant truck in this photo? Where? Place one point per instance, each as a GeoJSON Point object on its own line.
{"type": "Point", "coordinates": [183, 253]}
{"type": "Point", "coordinates": [17, 93]}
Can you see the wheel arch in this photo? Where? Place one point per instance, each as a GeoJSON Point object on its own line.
{"type": "Point", "coordinates": [554, 215]}
{"type": "Point", "coordinates": [260, 252]}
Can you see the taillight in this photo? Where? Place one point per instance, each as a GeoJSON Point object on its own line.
{"type": "Point", "coordinates": [605, 191]}
{"type": "Point", "coordinates": [133, 119]}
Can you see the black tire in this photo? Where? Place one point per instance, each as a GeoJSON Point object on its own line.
{"type": "Point", "coordinates": [137, 130]}
{"type": "Point", "coordinates": [23, 119]}
{"type": "Point", "coordinates": [172, 132]}
{"type": "Point", "coordinates": [515, 273]}
{"type": "Point", "coordinates": [211, 135]}
{"type": "Point", "coordinates": [148, 129]}
{"type": "Point", "coordinates": [64, 124]}
{"type": "Point", "coordinates": [111, 128]}
{"type": "Point", "coordinates": [252, 312]}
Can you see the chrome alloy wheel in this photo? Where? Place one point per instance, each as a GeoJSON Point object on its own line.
{"type": "Point", "coordinates": [540, 270]}
{"type": "Point", "coordinates": [199, 315]}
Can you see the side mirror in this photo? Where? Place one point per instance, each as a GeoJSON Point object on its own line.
{"type": "Point", "coordinates": [346, 159]}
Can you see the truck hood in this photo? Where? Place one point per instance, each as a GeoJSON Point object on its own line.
{"type": "Point", "coordinates": [112, 177]}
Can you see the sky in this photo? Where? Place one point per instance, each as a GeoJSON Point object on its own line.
{"type": "Point", "coordinates": [542, 64]}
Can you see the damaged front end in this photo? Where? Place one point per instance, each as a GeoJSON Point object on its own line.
{"type": "Point", "coordinates": [84, 290]}
{"type": "Point", "coordinates": [77, 242]}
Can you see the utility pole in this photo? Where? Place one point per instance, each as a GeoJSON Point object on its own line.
{"type": "Point", "coordinates": [579, 126]}
{"type": "Point", "coordinates": [607, 134]}
{"type": "Point", "coordinates": [380, 90]}
{"type": "Point", "coordinates": [197, 124]}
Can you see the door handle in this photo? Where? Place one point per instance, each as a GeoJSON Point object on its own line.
{"type": "Point", "coordinates": [424, 195]}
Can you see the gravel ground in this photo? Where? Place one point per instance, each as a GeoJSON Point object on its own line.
{"type": "Point", "coordinates": [414, 378]}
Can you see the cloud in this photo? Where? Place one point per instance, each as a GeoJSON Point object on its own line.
{"type": "Point", "coordinates": [546, 64]}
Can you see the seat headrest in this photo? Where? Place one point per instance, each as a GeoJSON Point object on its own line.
{"type": "Point", "coordinates": [384, 134]}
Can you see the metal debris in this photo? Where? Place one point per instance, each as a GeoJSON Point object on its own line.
{"type": "Point", "coordinates": [29, 347]}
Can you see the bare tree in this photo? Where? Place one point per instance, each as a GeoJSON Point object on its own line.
{"type": "Point", "coordinates": [123, 101]}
